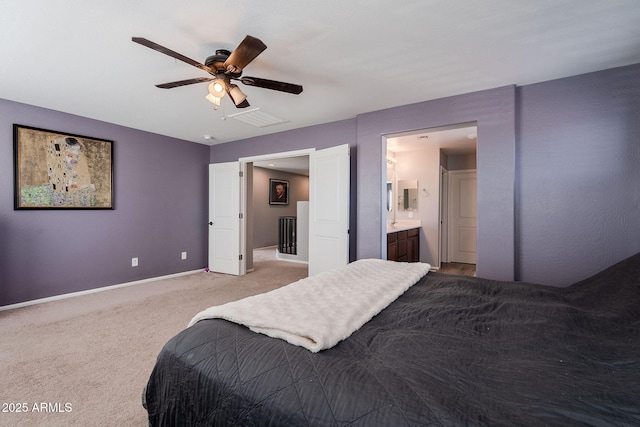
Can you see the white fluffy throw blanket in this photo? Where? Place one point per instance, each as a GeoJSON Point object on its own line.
{"type": "Point", "coordinates": [319, 311]}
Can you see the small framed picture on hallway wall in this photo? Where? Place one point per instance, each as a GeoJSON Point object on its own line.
{"type": "Point", "coordinates": [278, 192]}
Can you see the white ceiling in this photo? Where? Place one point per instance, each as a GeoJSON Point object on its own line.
{"type": "Point", "coordinates": [298, 164]}
{"type": "Point", "coordinates": [351, 57]}
{"type": "Point", "coordinates": [452, 140]}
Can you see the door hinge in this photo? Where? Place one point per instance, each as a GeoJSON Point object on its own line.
{"type": "Point", "coordinates": [241, 174]}
{"type": "Point", "coordinates": [240, 215]}
{"type": "Point", "coordinates": [240, 257]}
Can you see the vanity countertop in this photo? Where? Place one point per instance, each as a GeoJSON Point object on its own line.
{"type": "Point", "coordinates": [403, 224]}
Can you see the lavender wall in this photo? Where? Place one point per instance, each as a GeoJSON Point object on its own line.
{"type": "Point", "coordinates": [578, 181]}
{"type": "Point", "coordinates": [160, 210]}
{"type": "Point", "coordinates": [319, 136]}
{"type": "Point", "coordinates": [558, 175]}
{"type": "Point", "coordinates": [558, 185]}
{"type": "Point", "coordinates": [494, 112]}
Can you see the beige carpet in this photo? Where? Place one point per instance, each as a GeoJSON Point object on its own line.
{"type": "Point", "coordinates": [84, 361]}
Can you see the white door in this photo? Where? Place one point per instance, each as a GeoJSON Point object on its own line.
{"type": "Point", "coordinates": [463, 202]}
{"type": "Point", "coordinates": [224, 217]}
{"type": "Point", "coordinates": [328, 209]}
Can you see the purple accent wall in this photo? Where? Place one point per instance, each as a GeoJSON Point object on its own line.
{"type": "Point", "coordinates": [494, 112]}
{"type": "Point", "coordinates": [558, 185]}
{"type": "Point", "coordinates": [578, 181]}
{"type": "Point", "coordinates": [319, 136]}
{"type": "Point", "coordinates": [558, 175]}
{"type": "Point", "coordinates": [160, 210]}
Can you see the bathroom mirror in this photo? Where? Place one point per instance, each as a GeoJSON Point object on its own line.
{"type": "Point", "coordinates": [389, 196]}
{"type": "Point", "coordinates": [408, 195]}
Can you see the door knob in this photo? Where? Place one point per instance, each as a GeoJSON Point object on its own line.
{"type": "Point", "coordinates": [210, 222]}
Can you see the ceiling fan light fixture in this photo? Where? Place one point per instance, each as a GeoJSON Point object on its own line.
{"type": "Point", "coordinates": [218, 88]}
{"type": "Point", "coordinates": [236, 94]}
{"type": "Point", "coordinates": [213, 99]}
{"type": "Point", "coordinates": [223, 67]}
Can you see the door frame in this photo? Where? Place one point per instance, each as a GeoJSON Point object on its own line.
{"type": "Point", "coordinates": [243, 194]}
{"type": "Point", "coordinates": [443, 221]}
{"type": "Point", "coordinates": [439, 256]}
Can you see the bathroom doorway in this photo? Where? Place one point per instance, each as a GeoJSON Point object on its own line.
{"type": "Point", "coordinates": [431, 157]}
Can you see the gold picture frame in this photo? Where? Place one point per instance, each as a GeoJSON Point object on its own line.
{"type": "Point", "coordinates": [58, 170]}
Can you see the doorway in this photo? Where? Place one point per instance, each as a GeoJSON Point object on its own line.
{"type": "Point", "coordinates": [431, 156]}
{"type": "Point", "coordinates": [329, 191]}
{"type": "Point", "coordinates": [264, 217]}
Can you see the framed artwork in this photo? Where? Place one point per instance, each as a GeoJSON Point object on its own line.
{"type": "Point", "coordinates": [278, 192]}
{"type": "Point", "coordinates": [56, 170]}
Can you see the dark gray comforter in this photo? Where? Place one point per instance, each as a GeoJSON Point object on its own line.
{"type": "Point", "coordinates": [451, 351]}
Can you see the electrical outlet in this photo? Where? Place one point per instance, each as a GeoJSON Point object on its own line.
{"type": "Point", "coordinates": [183, 255]}
{"type": "Point", "coordinates": [134, 262]}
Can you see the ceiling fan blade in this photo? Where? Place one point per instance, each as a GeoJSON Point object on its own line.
{"type": "Point", "coordinates": [272, 84]}
{"type": "Point", "coordinates": [246, 52]}
{"type": "Point", "coordinates": [183, 82]}
{"type": "Point", "coordinates": [171, 53]}
{"type": "Point", "coordinates": [243, 104]}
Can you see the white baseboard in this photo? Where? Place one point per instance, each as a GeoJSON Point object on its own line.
{"type": "Point", "coordinates": [93, 291]}
{"type": "Point", "coordinates": [290, 258]}
{"type": "Point", "coordinates": [280, 257]}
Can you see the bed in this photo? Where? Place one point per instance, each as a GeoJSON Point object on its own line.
{"type": "Point", "coordinates": [449, 351]}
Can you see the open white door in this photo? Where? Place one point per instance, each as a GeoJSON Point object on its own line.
{"type": "Point", "coordinates": [328, 209]}
{"type": "Point", "coordinates": [224, 218]}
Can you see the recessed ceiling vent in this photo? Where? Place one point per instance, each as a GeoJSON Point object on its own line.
{"type": "Point", "coordinates": [257, 118]}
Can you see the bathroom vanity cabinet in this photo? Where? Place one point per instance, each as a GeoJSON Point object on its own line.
{"type": "Point", "coordinates": [404, 245]}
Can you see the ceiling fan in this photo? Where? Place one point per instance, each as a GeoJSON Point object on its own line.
{"type": "Point", "coordinates": [225, 66]}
